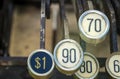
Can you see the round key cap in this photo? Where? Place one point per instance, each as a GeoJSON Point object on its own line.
{"type": "Point", "coordinates": [40, 64]}
{"type": "Point", "coordinates": [89, 68]}
{"type": "Point", "coordinates": [113, 65]}
{"type": "Point", "coordinates": [93, 26]}
{"type": "Point", "coordinates": [68, 56]}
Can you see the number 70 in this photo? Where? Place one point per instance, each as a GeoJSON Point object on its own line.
{"type": "Point", "coordinates": [97, 24]}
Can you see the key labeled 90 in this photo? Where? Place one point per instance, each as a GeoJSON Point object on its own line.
{"type": "Point", "coordinates": [68, 56]}
{"type": "Point", "coordinates": [113, 65]}
{"type": "Point", "coordinates": [89, 68]}
{"type": "Point", "coordinates": [40, 63]}
{"type": "Point", "coordinates": [93, 26]}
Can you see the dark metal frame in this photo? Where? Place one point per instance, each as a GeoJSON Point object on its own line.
{"type": "Point", "coordinates": [20, 62]}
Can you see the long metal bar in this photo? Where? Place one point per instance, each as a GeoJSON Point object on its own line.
{"type": "Point", "coordinates": [113, 29]}
{"type": "Point", "coordinates": [116, 5]}
{"type": "Point", "coordinates": [82, 42]}
{"type": "Point", "coordinates": [85, 8]}
{"type": "Point", "coordinates": [11, 61]}
{"type": "Point", "coordinates": [23, 60]}
{"type": "Point", "coordinates": [99, 5]}
{"type": "Point", "coordinates": [90, 4]}
{"type": "Point", "coordinates": [48, 9]}
{"type": "Point", "coordinates": [1, 12]}
{"type": "Point", "coordinates": [85, 5]}
{"type": "Point", "coordinates": [64, 20]}
{"type": "Point", "coordinates": [7, 26]}
{"type": "Point", "coordinates": [42, 26]}
{"type": "Point", "coordinates": [1, 25]}
{"type": "Point", "coordinates": [79, 8]}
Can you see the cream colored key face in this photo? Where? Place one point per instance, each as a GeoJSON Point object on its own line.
{"type": "Point", "coordinates": [113, 65]}
{"type": "Point", "coordinates": [89, 68]}
{"type": "Point", "coordinates": [68, 56]}
{"type": "Point", "coordinates": [93, 25]}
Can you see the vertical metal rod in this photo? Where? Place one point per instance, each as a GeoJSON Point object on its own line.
{"type": "Point", "coordinates": [113, 30]}
{"type": "Point", "coordinates": [84, 7]}
{"type": "Point", "coordinates": [99, 5]}
{"type": "Point", "coordinates": [64, 20]}
{"type": "Point", "coordinates": [42, 25]}
{"type": "Point", "coordinates": [90, 5]}
{"type": "Point", "coordinates": [8, 25]}
{"type": "Point", "coordinates": [78, 7]}
{"type": "Point", "coordinates": [1, 26]}
{"type": "Point", "coordinates": [83, 44]}
{"type": "Point", "coordinates": [1, 18]}
{"type": "Point", "coordinates": [116, 5]}
{"type": "Point", "coordinates": [48, 9]}
{"type": "Point", "coordinates": [55, 23]}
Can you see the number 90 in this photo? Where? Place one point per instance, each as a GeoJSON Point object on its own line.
{"type": "Point", "coordinates": [69, 55]}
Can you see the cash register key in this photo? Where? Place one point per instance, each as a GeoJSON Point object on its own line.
{"type": "Point", "coordinates": [89, 68]}
{"type": "Point", "coordinates": [40, 64]}
{"type": "Point", "coordinates": [68, 56]}
{"type": "Point", "coordinates": [113, 65]}
{"type": "Point", "coordinates": [93, 26]}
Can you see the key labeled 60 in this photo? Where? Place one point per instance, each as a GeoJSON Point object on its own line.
{"type": "Point", "coordinates": [113, 65]}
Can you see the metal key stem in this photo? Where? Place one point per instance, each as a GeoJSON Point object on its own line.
{"type": "Point", "coordinates": [40, 62]}
{"type": "Point", "coordinates": [79, 9]}
{"type": "Point", "coordinates": [42, 28]}
{"type": "Point", "coordinates": [116, 6]}
{"type": "Point", "coordinates": [64, 20]}
{"type": "Point", "coordinates": [113, 28]}
{"type": "Point", "coordinates": [72, 49]}
{"type": "Point", "coordinates": [113, 42]}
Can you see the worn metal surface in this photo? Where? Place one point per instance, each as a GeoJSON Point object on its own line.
{"type": "Point", "coordinates": [113, 30]}
{"type": "Point", "coordinates": [42, 24]}
{"type": "Point", "coordinates": [25, 37]}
